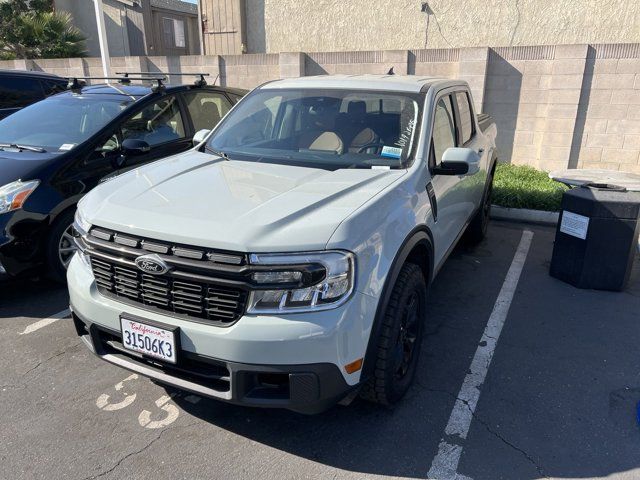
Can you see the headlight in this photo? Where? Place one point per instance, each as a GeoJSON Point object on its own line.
{"type": "Point", "coordinates": [301, 282]}
{"type": "Point", "coordinates": [13, 195]}
{"type": "Point", "coordinates": [81, 224]}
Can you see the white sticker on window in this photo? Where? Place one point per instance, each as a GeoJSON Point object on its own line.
{"type": "Point", "coordinates": [391, 152]}
{"type": "Point", "coordinates": [67, 146]}
{"type": "Point", "coordinates": [574, 224]}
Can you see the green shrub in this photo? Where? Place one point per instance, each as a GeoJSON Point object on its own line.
{"type": "Point", "coordinates": [519, 186]}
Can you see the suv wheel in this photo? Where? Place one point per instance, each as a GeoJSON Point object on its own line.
{"type": "Point", "coordinates": [399, 343]}
{"type": "Point", "coordinates": [477, 229]}
{"type": "Point", "coordinates": [60, 247]}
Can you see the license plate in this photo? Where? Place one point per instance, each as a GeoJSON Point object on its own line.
{"type": "Point", "coordinates": [151, 340]}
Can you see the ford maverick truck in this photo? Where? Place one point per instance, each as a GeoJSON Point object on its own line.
{"type": "Point", "coordinates": [285, 260]}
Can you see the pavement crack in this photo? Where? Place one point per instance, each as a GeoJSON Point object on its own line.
{"type": "Point", "coordinates": [492, 431]}
{"type": "Point", "coordinates": [138, 452]}
{"type": "Point", "coordinates": [42, 362]}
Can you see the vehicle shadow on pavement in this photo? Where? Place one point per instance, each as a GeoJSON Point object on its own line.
{"type": "Point", "coordinates": [371, 439]}
{"type": "Point", "coordinates": [35, 298]}
{"type": "Point", "coordinates": [559, 400]}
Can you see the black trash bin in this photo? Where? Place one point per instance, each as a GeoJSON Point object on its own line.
{"type": "Point", "coordinates": [596, 237]}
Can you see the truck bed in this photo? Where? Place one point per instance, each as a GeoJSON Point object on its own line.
{"type": "Point", "coordinates": [485, 121]}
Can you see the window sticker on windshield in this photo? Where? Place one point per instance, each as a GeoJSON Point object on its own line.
{"type": "Point", "coordinates": [67, 146]}
{"type": "Point", "coordinates": [391, 152]}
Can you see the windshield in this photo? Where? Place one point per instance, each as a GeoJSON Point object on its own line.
{"type": "Point", "coordinates": [321, 128]}
{"type": "Point", "coordinates": [60, 123]}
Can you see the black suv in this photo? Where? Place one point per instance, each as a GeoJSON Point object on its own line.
{"type": "Point", "coordinates": [54, 151]}
{"type": "Point", "coordinates": [19, 88]}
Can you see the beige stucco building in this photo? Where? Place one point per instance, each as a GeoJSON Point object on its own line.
{"type": "Point", "coordinates": [272, 26]}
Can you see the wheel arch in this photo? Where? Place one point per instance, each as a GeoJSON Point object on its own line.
{"type": "Point", "coordinates": [416, 248]}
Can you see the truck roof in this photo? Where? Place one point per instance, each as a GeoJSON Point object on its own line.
{"type": "Point", "coordinates": [393, 83]}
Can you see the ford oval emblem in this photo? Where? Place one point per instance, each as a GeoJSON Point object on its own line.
{"type": "Point", "coordinates": [152, 264]}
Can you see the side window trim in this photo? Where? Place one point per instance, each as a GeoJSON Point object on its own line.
{"type": "Point", "coordinates": [187, 121]}
{"type": "Point", "coordinates": [465, 92]}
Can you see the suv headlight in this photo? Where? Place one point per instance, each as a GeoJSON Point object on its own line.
{"type": "Point", "coordinates": [13, 195]}
{"type": "Point", "coordinates": [301, 282]}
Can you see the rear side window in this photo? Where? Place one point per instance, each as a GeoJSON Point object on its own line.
{"type": "Point", "coordinates": [16, 92]}
{"type": "Point", "coordinates": [206, 108]}
{"type": "Point", "coordinates": [466, 121]}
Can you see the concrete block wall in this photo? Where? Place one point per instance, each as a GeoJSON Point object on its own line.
{"type": "Point", "coordinates": [556, 106]}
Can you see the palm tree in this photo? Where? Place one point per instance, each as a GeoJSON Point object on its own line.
{"type": "Point", "coordinates": [37, 33]}
{"type": "Point", "coordinates": [55, 34]}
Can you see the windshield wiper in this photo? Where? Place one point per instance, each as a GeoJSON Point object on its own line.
{"type": "Point", "coordinates": [22, 147]}
{"type": "Point", "coordinates": [219, 153]}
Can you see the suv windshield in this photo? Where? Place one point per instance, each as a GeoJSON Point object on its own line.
{"type": "Point", "coordinates": [60, 122]}
{"type": "Point", "coordinates": [321, 128]}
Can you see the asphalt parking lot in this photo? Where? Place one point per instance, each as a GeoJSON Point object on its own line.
{"type": "Point", "coordinates": [557, 398]}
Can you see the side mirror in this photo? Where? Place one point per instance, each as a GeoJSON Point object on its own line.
{"type": "Point", "coordinates": [200, 135]}
{"type": "Point", "coordinates": [458, 161]}
{"type": "Point", "coordinates": [132, 146]}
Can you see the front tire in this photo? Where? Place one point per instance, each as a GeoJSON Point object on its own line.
{"type": "Point", "coordinates": [398, 348]}
{"type": "Point", "coordinates": [60, 247]}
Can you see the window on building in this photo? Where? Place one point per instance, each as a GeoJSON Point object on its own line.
{"type": "Point", "coordinates": [466, 122]}
{"type": "Point", "coordinates": [174, 33]}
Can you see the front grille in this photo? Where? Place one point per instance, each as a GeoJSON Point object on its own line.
{"type": "Point", "coordinates": [183, 291]}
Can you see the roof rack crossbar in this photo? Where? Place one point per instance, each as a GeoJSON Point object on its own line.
{"type": "Point", "coordinates": [200, 82]}
{"type": "Point", "coordinates": [76, 84]}
{"type": "Point", "coordinates": [183, 74]}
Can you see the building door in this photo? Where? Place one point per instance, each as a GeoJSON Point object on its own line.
{"type": "Point", "coordinates": [173, 33]}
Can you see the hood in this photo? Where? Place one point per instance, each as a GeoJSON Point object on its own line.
{"type": "Point", "coordinates": [199, 199]}
{"type": "Point", "coordinates": [22, 165]}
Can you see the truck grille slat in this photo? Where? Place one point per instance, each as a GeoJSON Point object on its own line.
{"type": "Point", "coordinates": [196, 299]}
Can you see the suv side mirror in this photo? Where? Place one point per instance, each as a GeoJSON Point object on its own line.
{"type": "Point", "coordinates": [200, 135]}
{"type": "Point", "coordinates": [133, 146]}
{"type": "Point", "coordinates": [458, 161]}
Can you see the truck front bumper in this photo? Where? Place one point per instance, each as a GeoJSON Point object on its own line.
{"type": "Point", "coordinates": [289, 361]}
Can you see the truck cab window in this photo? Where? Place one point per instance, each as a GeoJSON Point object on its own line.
{"type": "Point", "coordinates": [444, 130]}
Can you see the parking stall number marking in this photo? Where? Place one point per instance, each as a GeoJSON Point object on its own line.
{"type": "Point", "coordinates": [103, 400]}
{"type": "Point", "coordinates": [172, 412]}
{"type": "Point", "coordinates": [169, 411]}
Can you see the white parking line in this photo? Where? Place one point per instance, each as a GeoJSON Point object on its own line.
{"type": "Point", "coordinates": [445, 463]}
{"type": "Point", "coordinates": [47, 321]}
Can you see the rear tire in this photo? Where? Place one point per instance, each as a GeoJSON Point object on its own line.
{"type": "Point", "coordinates": [398, 348]}
{"type": "Point", "coordinates": [477, 229]}
{"type": "Point", "coordinates": [60, 247]}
